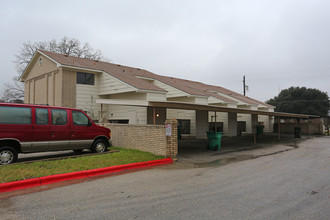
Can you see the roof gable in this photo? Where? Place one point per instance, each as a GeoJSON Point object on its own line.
{"type": "Point", "coordinates": [39, 65]}
{"type": "Point", "coordinates": [117, 71]}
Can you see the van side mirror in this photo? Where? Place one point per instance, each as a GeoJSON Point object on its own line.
{"type": "Point", "coordinates": [90, 123]}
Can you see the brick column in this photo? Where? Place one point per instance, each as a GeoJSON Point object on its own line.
{"type": "Point", "coordinates": [171, 126]}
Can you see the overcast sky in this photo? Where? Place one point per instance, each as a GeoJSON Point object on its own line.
{"type": "Point", "coordinates": [276, 44]}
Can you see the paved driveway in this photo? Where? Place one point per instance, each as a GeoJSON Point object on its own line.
{"type": "Point", "coordinates": [194, 149]}
{"type": "Point", "coordinates": [293, 184]}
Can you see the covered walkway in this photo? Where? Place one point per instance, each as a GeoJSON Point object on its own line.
{"type": "Point", "coordinates": [202, 124]}
{"type": "Point", "coordinates": [232, 114]}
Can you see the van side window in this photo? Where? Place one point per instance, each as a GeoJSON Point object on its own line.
{"type": "Point", "coordinates": [41, 116]}
{"type": "Point", "coordinates": [15, 115]}
{"type": "Point", "coordinates": [79, 118]}
{"type": "Point", "coordinates": [59, 117]}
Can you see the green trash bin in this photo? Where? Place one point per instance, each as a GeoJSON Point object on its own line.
{"type": "Point", "coordinates": [214, 140]}
{"type": "Point", "coordinates": [260, 129]}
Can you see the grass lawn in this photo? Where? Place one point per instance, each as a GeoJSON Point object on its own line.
{"type": "Point", "coordinates": [14, 172]}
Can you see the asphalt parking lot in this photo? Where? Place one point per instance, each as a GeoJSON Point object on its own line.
{"type": "Point", "coordinates": [196, 149]}
{"type": "Point", "coordinates": [293, 184]}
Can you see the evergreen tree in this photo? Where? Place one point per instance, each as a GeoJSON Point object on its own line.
{"type": "Point", "coordinates": [301, 100]}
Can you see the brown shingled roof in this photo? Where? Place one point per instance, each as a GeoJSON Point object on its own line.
{"type": "Point", "coordinates": [128, 75]}
{"type": "Point", "coordinates": [114, 70]}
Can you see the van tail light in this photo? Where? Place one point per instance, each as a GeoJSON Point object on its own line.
{"type": "Point", "coordinates": [110, 134]}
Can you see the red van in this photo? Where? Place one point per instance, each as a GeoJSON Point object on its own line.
{"type": "Point", "coordinates": [36, 128]}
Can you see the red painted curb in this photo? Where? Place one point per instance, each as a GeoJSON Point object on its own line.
{"type": "Point", "coordinates": [62, 177]}
{"type": "Point", "coordinates": [23, 184]}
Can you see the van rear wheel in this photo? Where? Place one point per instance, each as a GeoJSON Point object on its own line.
{"type": "Point", "coordinates": [7, 155]}
{"type": "Point", "coordinates": [99, 146]}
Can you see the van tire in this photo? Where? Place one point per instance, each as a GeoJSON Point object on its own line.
{"type": "Point", "coordinates": [8, 155]}
{"type": "Point", "coordinates": [99, 146]}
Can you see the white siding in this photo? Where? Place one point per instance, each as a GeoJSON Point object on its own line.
{"type": "Point", "coordinates": [212, 100]}
{"type": "Point", "coordinates": [239, 102]}
{"type": "Point", "coordinates": [201, 101]}
{"type": "Point", "coordinates": [232, 124]}
{"type": "Point", "coordinates": [128, 96]}
{"type": "Point", "coordinates": [183, 114]}
{"type": "Point", "coordinates": [152, 96]}
{"type": "Point", "coordinates": [203, 124]}
{"type": "Point", "coordinates": [221, 117]}
{"type": "Point", "coordinates": [171, 91]}
{"type": "Point", "coordinates": [265, 108]}
{"type": "Point", "coordinates": [111, 85]}
{"type": "Point", "coordinates": [135, 115]}
{"type": "Point", "coordinates": [267, 121]}
{"type": "Point", "coordinates": [86, 96]}
{"type": "Point", "coordinates": [248, 107]}
{"type": "Point", "coordinates": [232, 105]}
{"type": "Point", "coordinates": [182, 99]}
{"type": "Point", "coordinates": [253, 107]}
{"type": "Point", "coordinates": [247, 119]}
{"type": "Point", "coordinates": [191, 99]}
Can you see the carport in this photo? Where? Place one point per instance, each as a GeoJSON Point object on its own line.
{"type": "Point", "coordinates": [188, 148]}
{"type": "Point", "coordinates": [233, 111]}
{"type": "Point", "coordinates": [201, 115]}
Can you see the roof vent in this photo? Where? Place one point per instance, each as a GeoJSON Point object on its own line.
{"type": "Point", "coordinates": [66, 55]}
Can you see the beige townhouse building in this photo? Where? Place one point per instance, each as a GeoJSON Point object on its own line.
{"type": "Point", "coordinates": [122, 94]}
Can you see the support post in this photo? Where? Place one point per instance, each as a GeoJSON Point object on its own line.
{"type": "Point", "coordinates": [279, 128]}
{"type": "Point", "coordinates": [215, 121]}
{"type": "Point", "coordinates": [154, 115]}
{"type": "Point", "coordinates": [232, 124]}
{"type": "Point", "coordinates": [254, 122]}
{"type": "Point", "coordinates": [202, 124]}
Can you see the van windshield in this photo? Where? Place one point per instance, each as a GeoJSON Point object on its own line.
{"type": "Point", "coordinates": [79, 118]}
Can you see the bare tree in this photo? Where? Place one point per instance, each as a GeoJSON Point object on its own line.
{"type": "Point", "coordinates": [69, 46]}
{"type": "Point", "coordinates": [13, 92]}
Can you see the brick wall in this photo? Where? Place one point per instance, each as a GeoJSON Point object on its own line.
{"type": "Point", "coordinates": [149, 138]}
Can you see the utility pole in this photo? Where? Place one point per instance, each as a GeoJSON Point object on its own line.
{"type": "Point", "coordinates": [244, 85]}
